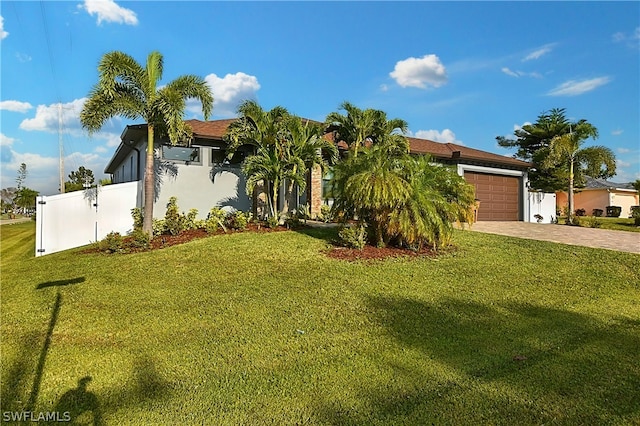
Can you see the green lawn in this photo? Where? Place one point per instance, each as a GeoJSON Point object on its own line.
{"type": "Point", "coordinates": [614, 223]}
{"type": "Point", "coordinates": [264, 329]}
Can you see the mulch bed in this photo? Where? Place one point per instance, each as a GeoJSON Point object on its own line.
{"type": "Point", "coordinates": [368, 253]}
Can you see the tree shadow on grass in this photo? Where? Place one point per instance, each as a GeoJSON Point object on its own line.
{"type": "Point", "coordinates": [511, 362]}
{"type": "Point", "coordinates": [60, 283]}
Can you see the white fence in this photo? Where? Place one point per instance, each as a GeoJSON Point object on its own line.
{"type": "Point", "coordinates": [78, 218]}
{"type": "Point", "coordinates": [543, 204]}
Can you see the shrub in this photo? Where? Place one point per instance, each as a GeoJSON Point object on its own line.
{"type": "Point", "coordinates": [592, 222]}
{"type": "Point", "coordinates": [635, 214]}
{"type": "Point", "coordinates": [581, 212]}
{"type": "Point", "coordinates": [173, 220]}
{"type": "Point", "coordinates": [238, 220]}
{"type": "Point", "coordinates": [325, 213]}
{"type": "Point", "coordinates": [138, 217]}
{"type": "Point", "coordinates": [215, 219]}
{"type": "Point", "coordinates": [190, 221]}
{"type": "Point", "coordinates": [538, 217]}
{"type": "Point", "coordinates": [575, 221]}
{"type": "Point", "coordinates": [112, 243]}
{"type": "Point", "coordinates": [157, 226]}
{"type": "Point", "coordinates": [139, 239]}
{"type": "Point", "coordinates": [353, 236]}
{"type": "Point", "coordinates": [613, 211]}
{"type": "Point", "coordinates": [272, 222]}
{"type": "Point", "coordinates": [597, 212]}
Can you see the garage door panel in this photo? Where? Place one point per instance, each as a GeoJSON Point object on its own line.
{"type": "Point", "coordinates": [499, 195]}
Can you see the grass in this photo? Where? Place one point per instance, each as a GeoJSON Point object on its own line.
{"type": "Point", "coordinates": [614, 223]}
{"type": "Point", "coordinates": [264, 329]}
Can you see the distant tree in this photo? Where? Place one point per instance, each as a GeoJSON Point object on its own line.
{"type": "Point", "coordinates": [79, 180]}
{"type": "Point", "coordinates": [26, 198]}
{"type": "Point", "coordinates": [126, 88]}
{"type": "Point", "coordinates": [565, 152]}
{"type": "Point", "coordinates": [105, 181]}
{"type": "Point", "coordinates": [22, 175]}
{"type": "Point", "coordinates": [636, 185]}
{"type": "Point", "coordinates": [533, 141]}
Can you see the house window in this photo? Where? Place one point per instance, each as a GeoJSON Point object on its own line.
{"type": "Point", "coordinates": [219, 157]}
{"type": "Point", "coordinates": [186, 154]}
{"type": "Point", "coordinates": [327, 188]}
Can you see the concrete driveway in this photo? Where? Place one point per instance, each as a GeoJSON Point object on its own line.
{"type": "Point", "coordinates": [574, 235]}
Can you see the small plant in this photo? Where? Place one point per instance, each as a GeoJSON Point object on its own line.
{"type": "Point", "coordinates": [635, 214]}
{"type": "Point", "coordinates": [597, 212]}
{"type": "Point", "coordinates": [591, 222]}
{"type": "Point", "coordinates": [215, 220]}
{"type": "Point", "coordinates": [238, 220]}
{"type": "Point", "coordinates": [581, 212]}
{"type": "Point", "coordinates": [173, 220]}
{"type": "Point", "coordinates": [139, 239]}
{"type": "Point", "coordinates": [190, 221]}
{"type": "Point", "coordinates": [325, 213]}
{"type": "Point", "coordinates": [272, 222]}
{"type": "Point", "coordinates": [112, 243]}
{"type": "Point", "coordinates": [353, 236]}
{"type": "Point", "coordinates": [137, 214]}
{"type": "Point", "coordinates": [538, 217]}
{"type": "Point", "coordinates": [157, 227]}
{"type": "Point", "coordinates": [575, 221]}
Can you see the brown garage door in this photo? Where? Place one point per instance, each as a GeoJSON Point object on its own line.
{"type": "Point", "coordinates": [499, 195]}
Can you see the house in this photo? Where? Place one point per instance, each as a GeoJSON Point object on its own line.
{"type": "Point", "coordinates": [200, 176]}
{"type": "Point", "coordinates": [598, 194]}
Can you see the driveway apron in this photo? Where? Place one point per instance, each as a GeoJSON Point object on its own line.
{"type": "Point", "coordinates": [574, 235]}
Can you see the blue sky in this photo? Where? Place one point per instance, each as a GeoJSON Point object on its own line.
{"type": "Point", "coordinates": [461, 72]}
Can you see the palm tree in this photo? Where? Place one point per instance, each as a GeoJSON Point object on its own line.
{"type": "Point", "coordinates": [126, 88]}
{"type": "Point", "coordinates": [267, 132]}
{"type": "Point", "coordinates": [306, 142]}
{"type": "Point", "coordinates": [565, 151]}
{"type": "Point", "coordinates": [358, 126]}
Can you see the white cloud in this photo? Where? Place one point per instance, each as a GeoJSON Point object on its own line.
{"type": "Point", "coordinates": [47, 118]}
{"type": "Point", "coordinates": [620, 163]}
{"type": "Point", "coordinates": [15, 106]}
{"type": "Point", "coordinates": [519, 127]}
{"type": "Point", "coordinates": [444, 136]}
{"type": "Point", "coordinates": [23, 57]}
{"type": "Point", "coordinates": [520, 73]}
{"type": "Point", "coordinates": [538, 53]}
{"type": "Point", "coordinates": [420, 72]}
{"type": "Point", "coordinates": [109, 11]}
{"type": "Point", "coordinates": [623, 150]}
{"type": "Point", "coordinates": [632, 39]}
{"type": "Point", "coordinates": [617, 132]}
{"type": "Point", "coordinates": [578, 87]}
{"type": "Point", "coordinates": [3, 33]}
{"type": "Point", "coordinates": [384, 87]}
{"type": "Point", "coordinates": [228, 92]}
{"type": "Point", "coordinates": [6, 140]}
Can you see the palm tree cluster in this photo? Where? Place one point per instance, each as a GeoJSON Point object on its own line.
{"type": "Point", "coordinates": [285, 148]}
{"type": "Point", "coordinates": [404, 200]}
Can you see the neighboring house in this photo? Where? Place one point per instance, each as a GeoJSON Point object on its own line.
{"type": "Point", "coordinates": [201, 178]}
{"type": "Point", "coordinates": [598, 194]}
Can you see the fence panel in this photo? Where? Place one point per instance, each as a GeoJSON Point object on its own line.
{"type": "Point", "coordinates": [78, 218]}
{"type": "Point", "coordinates": [543, 204]}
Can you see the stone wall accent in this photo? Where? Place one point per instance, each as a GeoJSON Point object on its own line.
{"type": "Point", "coordinates": [314, 191]}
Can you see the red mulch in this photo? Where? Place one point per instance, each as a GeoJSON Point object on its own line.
{"type": "Point", "coordinates": [341, 253]}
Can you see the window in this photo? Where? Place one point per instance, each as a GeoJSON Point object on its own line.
{"type": "Point", "coordinates": [327, 187]}
{"type": "Point", "coordinates": [186, 154]}
{"type": "Point", "coordinates": [219, 158]}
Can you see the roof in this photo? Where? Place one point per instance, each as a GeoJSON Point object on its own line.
{"type": "Point", "coordinates": [593, 183]}
{"type": "Point", "coordinates": [215, 130]}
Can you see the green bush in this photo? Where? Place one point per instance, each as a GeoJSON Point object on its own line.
{"type": "Point", "coordinates": [635, 214]}
{"type": "Point", "coordinates": [215, 219]}
{"type": "Point", "coordinates": [112, 243]}
{"type": "Point", "coordinates": [597, 212]}
{"type": "Point", "coordinates": [138, 217]}
{"type": "Point", "coordinates": [173, 220]}
{"type": "Point", "coordinates": [353, 236]}
{"type": "Point", "coordinates": [272, 222]}
{"type": "Point", "coordinates": [157, 227]}
{"type": "Point", "coordinates": [139, 239]}
{"type": "Point", "coordinates": [581, 212]}
{"type": "Point", "coordinates": [613, 211]}
{"type": "Point", "coordinates": [190, 221]}
{"type": "Point", "coordinates": [325, 213]}
{"type": "Point", "coordinates": [591, 222]}
{"type": "Point", "coordinates": [238, 220]}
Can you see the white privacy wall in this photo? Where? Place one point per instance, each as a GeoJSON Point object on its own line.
{"type": "Point", "coordinates": [544, 204]}
{"type": "Point", "coordinates": [78, 218]}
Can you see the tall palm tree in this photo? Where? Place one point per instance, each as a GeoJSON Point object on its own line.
{"type": "Point", "coordinates": [565, 151]}
{"type": "Point", "coordinates": [358, 126]}
{"type": "Point", "coordinates": [126, 88]}
{"type": "Point", "coordinates": [306, 142]}
{"type": "Point", "coordinates": [267, 132]}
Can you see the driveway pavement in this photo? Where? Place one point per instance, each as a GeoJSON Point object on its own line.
{"type": "Point", "coordinates": [574, 235]}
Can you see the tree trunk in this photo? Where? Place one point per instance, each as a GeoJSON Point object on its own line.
{"type": "Point", "coordinates": [570, 214]}
{"type": "Point", "coordinates": [274, 195]}
{"type": "Point", "coordinates": [149, 185]}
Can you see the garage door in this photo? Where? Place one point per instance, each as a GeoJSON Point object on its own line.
{"type": "Point", "coordinates": [499, 195]}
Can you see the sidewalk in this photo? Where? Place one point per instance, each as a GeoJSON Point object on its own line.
{"type": "Point", "coordinates": [12, 221]}
{"type": "Point", "coordinates": [574, 235]}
